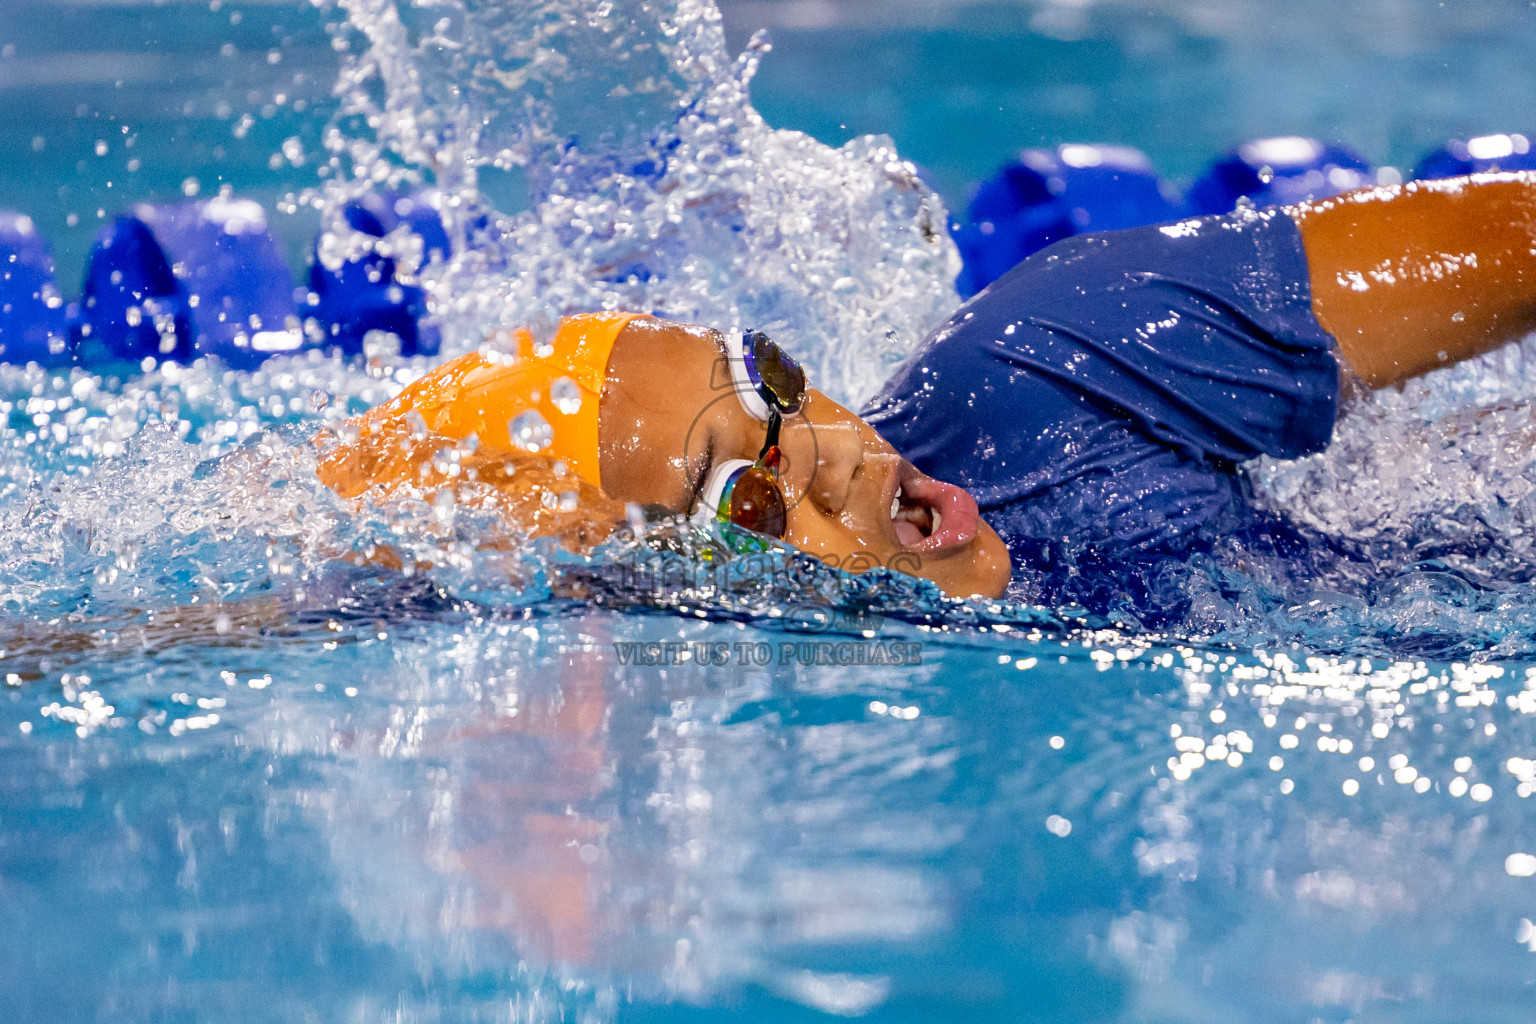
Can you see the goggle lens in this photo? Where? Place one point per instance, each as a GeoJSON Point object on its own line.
{"type": "Point", "coordinates": [757, 503]}
{"type": "Point", "coordinates": [779, 379]}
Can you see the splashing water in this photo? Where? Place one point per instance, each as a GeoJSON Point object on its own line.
{"type": "Point", "coordinates": [655, 185]}
{"type": "Point", "coordinates": [1424, 499]}
{"type": "Point", "coordinates": [1444, 463]}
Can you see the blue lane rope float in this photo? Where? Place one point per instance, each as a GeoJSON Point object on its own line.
{"type": "Point", "coordinates": [1045, 195]}
{"type": "Point", "coordinates": [132, 306]}
{"type": "Point", "coordinates": [1106, 188]}
{"type": "Point", "coordinates": [1481, 154]}
{"type": "Point", "coordinates": [178, 282]}
{"type": "Point", "coordinates": [1277, 172]}
{"type": "Point", "coordinates": [366, 293]}
{"type": "Point", "coordinates": [207, 278]}
{"type": "Point", "coordinates": [33, 328]}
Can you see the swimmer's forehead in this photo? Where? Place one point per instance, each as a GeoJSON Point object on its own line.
{"type": "Point", "coordinates": [650, 327]}
{"type": "Point", "coordinates": [683, 351]}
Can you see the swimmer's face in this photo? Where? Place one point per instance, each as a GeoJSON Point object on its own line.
{"type": "Point", "coordinates": [669, 415]}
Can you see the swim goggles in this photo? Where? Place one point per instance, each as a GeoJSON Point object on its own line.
{"type": "Point", "coordinates": [749, 495]}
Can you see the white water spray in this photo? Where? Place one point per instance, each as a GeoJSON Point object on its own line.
{"type": "Point", "coordinates": [654, 184]}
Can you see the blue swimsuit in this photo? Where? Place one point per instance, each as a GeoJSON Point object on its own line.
{"type": "Point", "coordinates": [1097, 399]}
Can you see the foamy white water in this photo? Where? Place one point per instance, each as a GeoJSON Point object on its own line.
{"type": "Point", "coordinates": [654, 184]}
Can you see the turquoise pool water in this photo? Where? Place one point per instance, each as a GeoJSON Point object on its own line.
{"type": "Point", "coordinates": [243, 781]}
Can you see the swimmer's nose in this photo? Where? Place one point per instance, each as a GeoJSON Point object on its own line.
{"type": "Point", "coordinates": [823, 460]}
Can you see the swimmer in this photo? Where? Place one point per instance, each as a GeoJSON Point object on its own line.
{"type": "Point", "coordinates": [1093, 405]}
{"type": "Point", "coordinates": [638, 413]}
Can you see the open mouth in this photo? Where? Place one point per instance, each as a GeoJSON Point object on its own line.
{"type": "Point", "coordinates": [914, 523]}
{"type": "Point", "coordinates": [929, 515]}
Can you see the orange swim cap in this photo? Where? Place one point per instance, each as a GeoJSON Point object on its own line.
{"type": "Point", "coordinates": [543, 401]}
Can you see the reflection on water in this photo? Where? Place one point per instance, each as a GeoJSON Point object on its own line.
{"type": "Point", "coordinates": [491, 818]}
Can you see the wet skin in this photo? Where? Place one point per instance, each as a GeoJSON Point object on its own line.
{"type": "Point", "coordinates": [1411, 277]}
{"type": "Point", "coordinates": [669, 412]}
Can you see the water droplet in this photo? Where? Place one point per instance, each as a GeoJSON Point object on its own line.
{"type": "Point", "coordinates": [530, 431]}
{"type": "Point", "coordinates": [566, 394]}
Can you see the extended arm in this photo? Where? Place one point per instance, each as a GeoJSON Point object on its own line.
{"type": "Point", "coordinates": [1421, 275]}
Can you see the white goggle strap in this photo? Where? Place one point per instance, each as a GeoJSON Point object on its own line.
{"type": "Point", "coordinates": [746, 390]}
{"type": "Point", "coordinates": [714, 490]}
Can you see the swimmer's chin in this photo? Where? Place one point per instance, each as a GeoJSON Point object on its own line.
{"type": "Point", "coordinates": [990, 568]}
